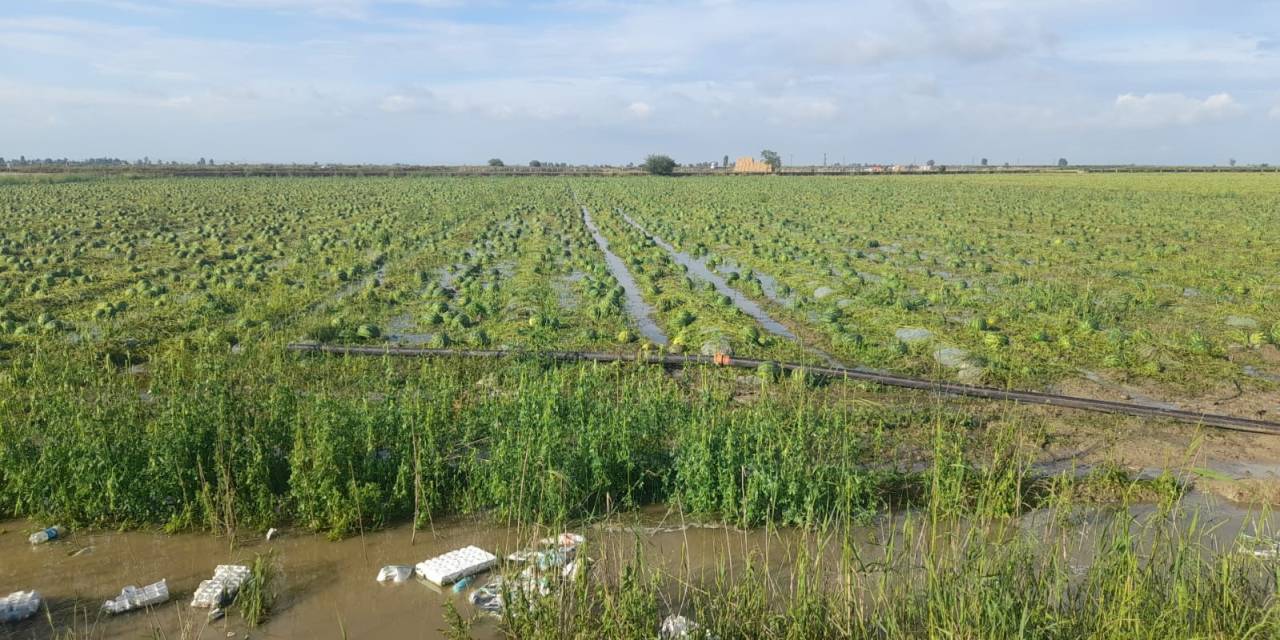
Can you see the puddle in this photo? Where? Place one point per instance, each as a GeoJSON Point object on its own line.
{"type": "Point", "coordinates": [565, 295]}
{"type": "Point", "coordinates": [699, 269]}
{"type": "Point", "coordinates": [1254, 372]}
{"type": "Point", "coordinates": [958, 360]}
{"type": "Point", "coordinates": [358, 285]}
{"type": "Point", "coordinates": [911, 335]}
{"type": "Point", "coordinates": [768, 284]}
{"type": "Point", "coordinates": [640, 311]}
{"type": "Point", "coordinates": [1241, 322]}
{"type": "Point", "coordinates": [952, 357]}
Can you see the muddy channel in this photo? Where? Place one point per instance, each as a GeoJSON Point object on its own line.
{"type": "Point", "coordinates": [329, 588]}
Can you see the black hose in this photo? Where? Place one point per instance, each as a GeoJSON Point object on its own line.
{"type": "Point", "coordinates": [1231, 423]}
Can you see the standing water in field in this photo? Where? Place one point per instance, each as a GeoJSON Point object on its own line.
{"type": "Point", "coordinates": [699, 269]}
{"type": "Point", "coordinates": [636, 306]}
{"type": "Point", "coordinates": [326, 589]}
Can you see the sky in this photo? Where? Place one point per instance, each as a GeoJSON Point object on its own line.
{"type": "Point", "coordinates": [608, 81]}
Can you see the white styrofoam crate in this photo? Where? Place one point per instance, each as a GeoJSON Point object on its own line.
{"type": "Point", "coordinates": [443, 569]}
{"type": "Point", "coordinates": [19, 605]}
{"type": "Point", "coordinates": [131, 598]}
{"type": "Point", "coordinates": [225, 584]}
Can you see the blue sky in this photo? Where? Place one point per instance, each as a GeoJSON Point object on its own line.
{"type": "Point", "coordinates": [587, 81]}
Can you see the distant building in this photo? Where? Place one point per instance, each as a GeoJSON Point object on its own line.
{"type": "Point", "coordinates": [751, 165]}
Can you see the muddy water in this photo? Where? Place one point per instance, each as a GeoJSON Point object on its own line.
{"type": "Point", "coordinates": [325, 586]}
{"type": "Point", "coordinates": [639, 310]}
{"type": "Point", "coordinates": [328, 588]}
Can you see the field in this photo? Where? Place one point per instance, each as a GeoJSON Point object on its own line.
{"type": "Point", "coordinates": [145, 381]}
{"type": "Point", "coordinates": [1032, 279]}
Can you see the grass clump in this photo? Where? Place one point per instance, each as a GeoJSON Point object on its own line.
{"type": "Point", "coordinates": [258, 594]}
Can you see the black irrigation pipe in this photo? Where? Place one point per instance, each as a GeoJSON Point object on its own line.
{"type": "Point", "coordinates": [990, 393]}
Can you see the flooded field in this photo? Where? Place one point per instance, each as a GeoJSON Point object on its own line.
{"type": "Point", "coordinates": [328, 588]}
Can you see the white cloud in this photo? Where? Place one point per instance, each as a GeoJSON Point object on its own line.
{"type": "Point", "coordinates": [594, 77]}
{"type": "Point", "coordinates": [398, 103]}
{"type": "Point", "coordinates": [341, 9]}
{"type": "Point", "coordinates": [1168, 109]}
{"type": "Point", "coordinates": [640, 110]}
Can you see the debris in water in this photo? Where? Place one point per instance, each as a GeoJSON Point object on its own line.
{"type": "Point", "coordinates": [222, 588]}
{"type": "Point", "coordinates": [675, 626]}
{"type": "Point", "coordinates": [550, 553]}
{"type": "Point", "coordinates": [462, 584]}
{"type": "Point", "coordinates": [52, 533]}
{"type": "Point", "coordinates": [565, 540]}
{"type": "Point", "coordinates": [1259, 546]}
{"type": "Point", "coordinates": [272, 533]}
{"type": "Point", "coordinates": [489, 598]}
{"type": "Point", "coordinates": [81, 551]}
{"type": "Point", "coordinates": [395, 573]}
{"type": "Point", "coordinates": [443, 569]}
{"type": "Point", "coordinates": [132, 597]}
{"type": "Point", "coordinates": [217, 614]}
{"type": "Point", "coordinates": [19, 605]}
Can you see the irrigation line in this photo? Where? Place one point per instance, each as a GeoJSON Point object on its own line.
{"type": "Point", "coordinates": [1230, 423]}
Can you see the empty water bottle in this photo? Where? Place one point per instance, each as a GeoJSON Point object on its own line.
{"type": "Point", "coordinates": [52, 533]}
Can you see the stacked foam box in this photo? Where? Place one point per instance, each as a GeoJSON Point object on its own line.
{"type": "Point", "coordinates": [222, 588]}
{"type": "Point", "coordinates": [443, 569]}
{"type": "Point", "coordinates": [132, 597]}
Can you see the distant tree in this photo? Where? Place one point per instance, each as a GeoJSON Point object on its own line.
{"type": "Point", "coordinates": [200, 163]}
{"type": "Point", "coordinates": [1062, 162]}
{"type": "Point", "coordinates": [535, 163]}
{"type": "Point", "coordinates": [660, 165]}
{"type": "Point", "coordinates": [1232, 162]}
{"type": "Point", "coordinates": [929, 164]}
{"type": "Point", "coordinates": [984, 162]}
{"type": "Point", "coordinates": [496, 162]}
{"type": "Point", "coordinates": [726, 160]}
{"type": "Point", "coordinates": [772, 159]}
{"type": "Point", "coordinates": [211, 162]}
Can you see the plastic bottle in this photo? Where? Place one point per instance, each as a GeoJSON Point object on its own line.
{"type": "Point", "coordinates": [52, 533]}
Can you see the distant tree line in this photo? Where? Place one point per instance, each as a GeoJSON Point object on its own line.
{"type": "Point", "coordinates": [23, 161]}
